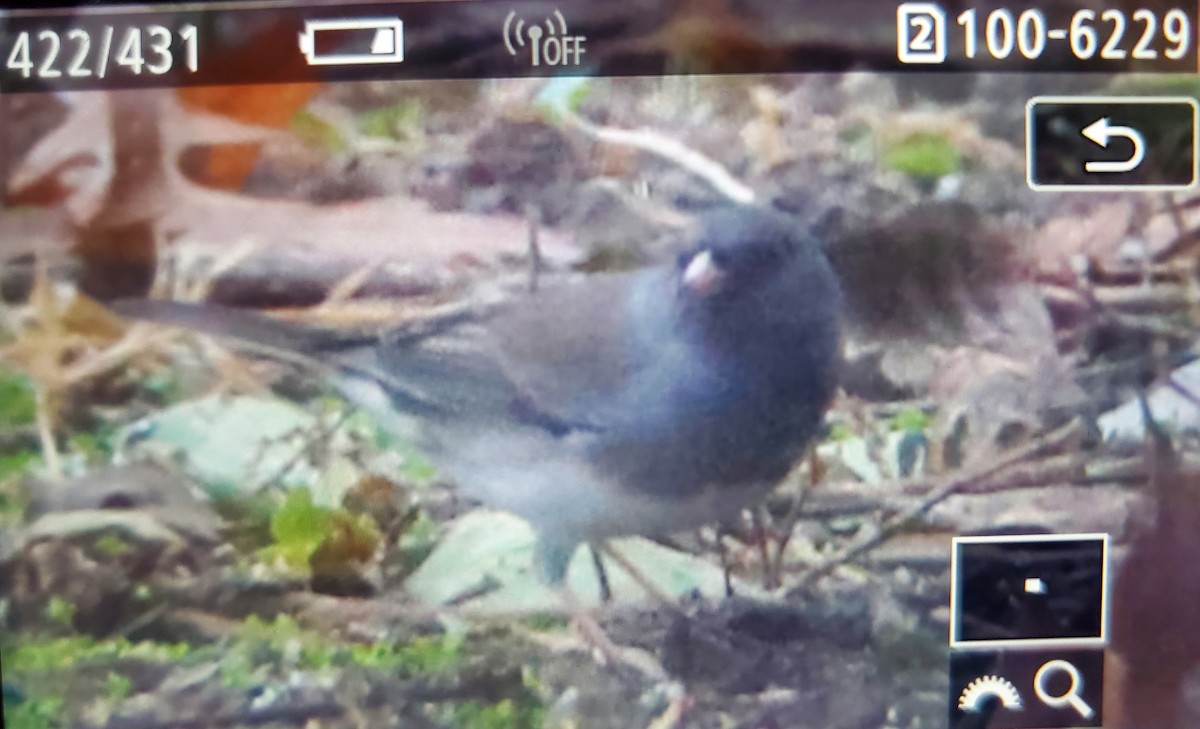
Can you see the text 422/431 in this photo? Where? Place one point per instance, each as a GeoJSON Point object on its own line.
{"type": "Point", "coordinates": [80, 53]}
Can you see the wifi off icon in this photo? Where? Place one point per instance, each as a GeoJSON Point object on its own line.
{"type": "Point", "coordinates": [548, 43]}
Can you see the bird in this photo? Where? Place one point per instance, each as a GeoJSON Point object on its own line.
{"type": "Point", "coordinates": [642, 402]}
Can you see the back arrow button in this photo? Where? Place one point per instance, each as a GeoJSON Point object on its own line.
{"type": "Point", "coordinates": [1100, 132]}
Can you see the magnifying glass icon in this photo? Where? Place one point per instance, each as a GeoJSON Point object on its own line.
{"type": "Point", "coordinates": [1071, 696]}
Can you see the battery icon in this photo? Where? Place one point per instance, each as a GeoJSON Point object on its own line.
{"type": "Point", "coordinates": [351, 41]}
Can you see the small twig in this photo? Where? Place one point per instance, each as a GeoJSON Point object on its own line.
{"type": "Point", "coordinates": [671, 150]}
{"type": "Point", "coordinates": [138, 339]}
{"type": "Point", "coordinates": [638, 576]}
{"type": "Point", "coordinates": [226, 262]}
{"type": "Point", "coordinates": [794, 512]}
{"type": "Point", "coordinates": [841, 500]}
{"type": "Point", "coordinates": [294, 714]}
{"type": "Point", "coordinates": [966, 479]}
{"type": "Point", "coordinates": [1161, 298]}
{"type": "Point", "coordinates": [674, 714]}
{"type": "Point", "coordinates": [535, 248]}
{"type": "Point", "coordinates": [142, 620]}
{"type": "Point", "coordinates": [45, 427]}
{"type": "Point", "coordinates": [348, 285]}
{"type": "Point", "coordinates": [759, 524]}
{"type": "Point", "coordinates": [1151, 326]}
{"type": "Point", "coordinates": [595, 637]}
{"type": "Point", "coordinates": [1184, 391]}
{"type": "Point", "coordinates": [485, 586]}
{"type": "Point", "coordinates": [318, 433]}
{"type": "Point", "coordinates": [1176, 213]}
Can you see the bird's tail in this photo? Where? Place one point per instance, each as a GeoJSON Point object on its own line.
{"type": "Point", "coordinates": [333, 353]}
{"type": "Point", "coordinates": [272, 335]}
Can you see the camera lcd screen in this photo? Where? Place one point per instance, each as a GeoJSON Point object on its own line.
{"type": "Point", "coordinates": [709, 363]}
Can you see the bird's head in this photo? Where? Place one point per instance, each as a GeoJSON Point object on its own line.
{"type": "Point", "coordinates": [757, 289]}
{"type": "Point", "coordinates": [733, 253]}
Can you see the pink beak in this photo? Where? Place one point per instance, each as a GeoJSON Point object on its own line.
{"type": "Point", "coordinates": [702, 274]}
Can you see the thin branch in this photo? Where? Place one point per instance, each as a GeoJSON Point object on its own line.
{"type": "Point", "coordinates": [671, 150]}
{"type": "Point", "coordinates": [536, 264]}
{"type": "Point", "coordinates": [300, 713]}
{"type": "Point", "coordinates": [638, 576]}
{"type": "Point", "coordinates": [965, 480]}
{"type": "Point", "coordinates": [45, 427]}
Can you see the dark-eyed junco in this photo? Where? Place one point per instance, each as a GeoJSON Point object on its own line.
{"type": "Point", "coordinates": [632, 403]}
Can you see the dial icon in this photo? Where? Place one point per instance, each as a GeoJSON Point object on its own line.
{"type": "Point", "coordinates": [977, 692]}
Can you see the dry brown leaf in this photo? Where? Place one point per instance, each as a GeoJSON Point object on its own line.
{"type": "Point", "coordinates": [764, 135]}
{"type": "Point", "coordinates": [1097, 235]}
{"type": "Point", "coordinates": [235, 111]}
{"type": "Point", "coordinates": [114, 165]}
{"type": "Point", "coordinates": [1155, 601]}
{"type": "Point", "coordinates": [69, 160]}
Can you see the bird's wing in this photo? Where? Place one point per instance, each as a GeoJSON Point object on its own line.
{"type": "Point", "coordinates": [565, 347]}
{"type": "Point", "coordinates": [569, 357]}
{"type": "Point", "coordinates": [554, 359]}
{"type": "Point", "coordinates": [604, 355]}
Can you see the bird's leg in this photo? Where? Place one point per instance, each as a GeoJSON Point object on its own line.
{"type": "Point", "coordinates": [601, 574]}
{"type": "Point", "coordinates": [764, 549]}
{"type": "Point", "coordinates": [723, 554]}
{"type": "Point", "coordinates": [535, 250]}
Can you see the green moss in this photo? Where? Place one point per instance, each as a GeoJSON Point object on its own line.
{"type": "Point", "coordinates": [911, 419]}
{"type": "Point", "coordinates": [60, 611]}
{"type": "Point", "coordinates": [841, 432]}
{"type": "Point", "coordinates": [96, 445]}
{"type": "Point", "coordinates": [416, 467]}
{"type": "Point", "coordinates": [45, 656]}
{"type": "Point", "coordinates": [237, 670]}
{"type": "Point", "coordinates": [247, 517]}
{"type": "Point", "coordinates": [33, 713]}
{"type": "Point", "coordinates": [17, 404]}
{"type": "Point", "coordinates": [261, 646]}
{"type": "Point", "coordinates": [117, 686]}
{"type": "Point", "coordinates": [316, 540]}
{"type": "Point", "coordinates": [561, 95]}
{"type": "Point", "coordinates": [1167, 84]}
{"type": "Point", "coordinates": [923, 154]}
{"type": "Point", "coordinates": [546, 621]}
{"type": "Point", "coordinates": [164, 385]}
{"type": "Point", "coordinates": [506, 714]}
{"type": "Point", "coordinates": [426, 654]}
{"type": "Point", "coordinates": [62, 653]}
{"type": "Point", "coordinates": [113, 546]}
{"type": "Point", "coordinates": [402, 121]}
{"type": "Point", "coordinates": [297, 528]}
{"type": "Point", "coordinates": [420, 655]}
{"type": "Point", "coordinates": [316, 131]}
{"type": "Point", "coordinates": [283, 637]}
{"type": "Point", "coordinates": [16, 464]}
{"type": "Point", "coordinates": [266, 640]}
